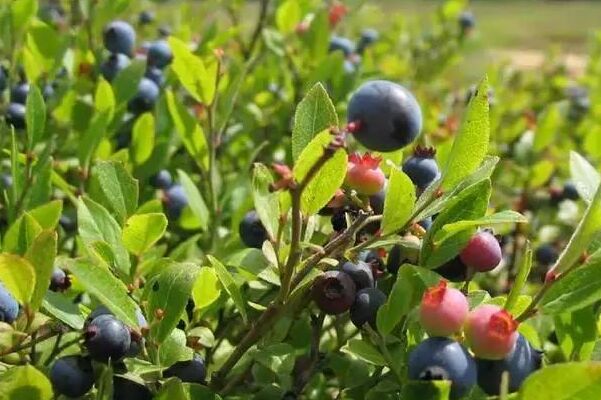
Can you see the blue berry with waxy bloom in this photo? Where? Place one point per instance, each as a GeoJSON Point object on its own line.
{"type": "Point", "coordinates": [251, 230]}
{"type": "Point", "coordinates": [438, 358]}
{"type": "Point", "coordinates": [453, 270]}
{"type": "Point", "coordinates": [68, 223]}
{"type": "Point", "coordinates": [368, 37]}
{"type": "Point", "coordinates": [467, 20]}
{"type": "Point", "coordinates": [422, 168]}
{"type": "Point", "coordinates": [365, 308]}
{"type": "Point", "coordinates": [72, 376]}
{"type": "Point", "coordinates": [19, 93]}
{"type": "Point", "coordinates": [384, 116]}
{"type": "Point", "coordinates": [546, 254]}
{"type": "Point", "coordinates": [570, 192]}
{"type": "Point", "coordinates": [59, 280]}
{"type": "Point", "coordinates": [6, 180]}
{"type": "Point", "coordinates": [345, 45]}
{"type": "Point", "coordinates": [9, 308]}
{"type": "Point", "coordinates": [360, 272]}
{"type": "Point", "coordinates": [15, 115]}
{"type": "Point", "coordinates": [119, 37]}
{"type": "Point", "coordinates": [115, 63]}
{"type": "Point", "coordinates": [159, 54]}
{"type": "Point", "coordinates": [146, 97]}
{"type": "Point", "coordinates": [162, 180]}
{"type": "Point", "coordinates": [175, 200]}
{"type": "Point", "coordinates": [191, 371]}
{"type": "Point", "coordinates": [146, 17]}
{"type": "Point", "coordinates": [107, 338]}
{"type": "Point", "coordinates": [156, 75]}
{"type": "Point", "coordinates": [519, 364]}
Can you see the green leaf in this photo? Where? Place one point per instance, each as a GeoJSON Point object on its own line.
{"type": "Point", "coordinates": [430, 390]}
{"type": "Point", "coordinates": [173, 389]}
{"type": "Point", "coordinates": [364, 351]}
{"type": "Point", "coordinates": [578, 289]}
{"type": "Point", "coordinates": [192, 72]}
{"type": "Point", "coordinates": [125, 84]}
{"type": "Point", "coordinates": [229, 285]}
{"type": "Point", "coordinates": [470, 204]}
{"type": "Point", "coordinates": [399, 202]}
{"type": "Point", "coordinates": [195, 200]}
{"type": "Point", "coordinates": [327, 180]}
{"type": "Point", "coordinates": [567, 381]}
{"type": "Point", "coordinates": [21, 234]}
{"type": "Point", "coordinates": [18, 277]}
{"type": "Point", "coordinates": [47, 215]}
{"type": "Point", "coordinates": [93, 136]}
{"type": "Point", "coordinates": [503, 217]}
{"type": "Point", "coordinates": [189, 131]}
{"type": "Point", "coordinates": [104, 98]}
{"type": "Point", "coordinates": [406, 293]}
{"type": "Point", "coordinates": [577, 333]}
{"type": "Point", "coordinates": [95, 224]}
{"type": "Point", "coordinates": [525, 264]}
{"type": "Point", "coordinates": [266, 201]}
{"type": "Point", "coordinates": [104, 384]}
{"type": "Point", "coordinates": [141, 232]}
{"type": "Point", "coordinates": [35, 116]}
{"type": "Point", "coordinates": [41, 255]}
{"type": "Point", "coordinates": [586, 178]}
{"type": "Point", "coordinates": [168, 294]}
{"type": "Point", "coordinates": [471, 143]}
{"type": "Point", "coordinates": [113, 187]}
{"type": "Point", "coordinates": [174, 349]}
{"type": "Point", "coordinates": [21, 12]}
{"type": "Point", "coordinates": [62, 308]}
{"type": "Point", "coordinates": [103, 285]}
{"type": "Point", "coordinates": [546, 128]}
{"type": "Point", "coordinates": [25, 383]}
{"type": "Point", "coordinates": [143, 138]}
{"type": "Point", "coordinates": [314, 114]}
{"type": "Point", "coordinates": [288, 15]}
{"type": "Point", "coordinates": [206, 288]}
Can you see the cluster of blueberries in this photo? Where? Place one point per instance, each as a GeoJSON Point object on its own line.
{"type": "Point", "coordinates": [119, 39]}
{"type": "Point", "coordinates": [352, 52]}
{"type": "Point", "coordinates": [174, 195]}
{"type": "Point", "coordinates": [107, 339]}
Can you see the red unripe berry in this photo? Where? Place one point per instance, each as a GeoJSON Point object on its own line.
{"type": "Point", "coordinates": [336, 13]}
{"type": "Point", "coordinates": [443, 310]}
{"type": "Point", "coordinates": [491, 332]}
{"type": "Point", "coordinates": [482, 253]}
{"type": "Point", "coordinates": [364, 174]}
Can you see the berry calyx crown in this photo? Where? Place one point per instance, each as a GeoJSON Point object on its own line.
{"type": "Point", "coordinates": [366, 160]}
{"type": "Point", "coordinates": [502, 324]}
{"type": "Point", "coordinates": [434, 295]}
{"type": "Point", "coordinates": [424, 152]}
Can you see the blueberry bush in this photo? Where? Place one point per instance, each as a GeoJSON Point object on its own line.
{"type": "Point", "coordinates": [273, 199]}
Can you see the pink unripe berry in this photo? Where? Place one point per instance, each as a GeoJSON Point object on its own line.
{"type": "Point", "coordinates": [443, 310]}
{"type": "Point", "coordinates": [491, 332]}
{"type": "Point", "coordinates": [482, 253]}
{"type": "Point", "coordinates": [364, 174]}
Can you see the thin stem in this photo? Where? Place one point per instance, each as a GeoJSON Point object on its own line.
{"type": "Point", "coordinates": [26, 345]}
{"type": "Point", "coordinates": [258, 28]}
{"type": "Point", "coordinates": [531, 309]}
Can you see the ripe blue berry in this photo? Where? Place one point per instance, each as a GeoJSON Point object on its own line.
{"type": "Point", "coordinates": [107, 338]}
{"type": "Point", "coordinates": [19, 93]}
{"type": "Point", "coordinates": [156, 75]}
{"type": "Point", "coordinates": [59, 281]}
{"type": "Point", "coordinates": [453, 270]}
{"type": "Point", "coordinates": [339, 43]}
{"type": "Point", "coordinates": [114, 64]}
{"type": "Point", "coordinates": [6, 181]}
{"type": "Point", "coordinates": [251, 230]}
{"type": "Point", "coordinates": [175, 201]}
{"type": "Point", "coordinates": [422, 168]}
{"type": "Point", "coordinates": [333, 292]}
{"type": "Point", "coordinates": [368, 37]}
{"type": "Point", "coordinates": [570, 192]}
{"type": "Point", "coordinates": [395, 259]}
{"type": "Point", "coordinates": [48, 91]}
{"type": "Point", "coordinates": [145, 98]}
{"type": "Point", "coordinates": [467, 20]}
{"type": "Point", "coordinates": [72, 376]}
{"type": "Point", "coordinates": [126, 389]}
{"type": "Point", "coordinates": [9, 308]}
{"type": "Point", "coordinates": [439, 358]}
{"type": "Point", "coordinates": [162, 180]}
{"type": "Point", "coordinates": [546, 254]}
{"type": "Point", "coordinates": [338, 220]}
{"type": "Point", "coordinates": [119, 37]}
{"type": "Point", "coordinates": [146, 17]}
{"type": "Point", "coordinates": [361, 273]}
{"type": "Point", "coordinates": [386, 116]}
{"type": "Point", "coordinates": [426, 223]}
{"type": "Point", "coordinates": [3, 79]}
{"type": "Point", "coordinates": [366, 305]}
{"type": "Point", "coordinates": [159, 54]}
{"type": "Point", "coordinates": [68, 223]}
{"type": "Point", "coordinates": [482, 253]}
{"type": "Point", "coordinates": [191, 371]}
{"type": "Point", "coordinates": [15, 115]}
{"type": "Point", "coordinates": [520, 363]}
